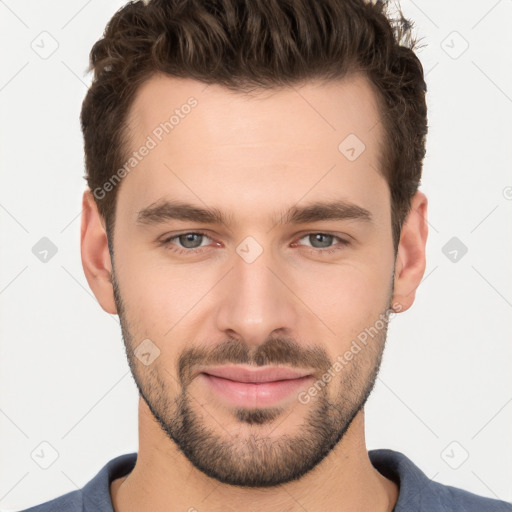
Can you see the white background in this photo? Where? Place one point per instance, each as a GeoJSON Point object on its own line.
{"type": "Point", "coordinates": [446, 375]}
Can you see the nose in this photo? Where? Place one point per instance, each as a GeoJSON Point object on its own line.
{"type": "Point", "coordinates": [257, 300]}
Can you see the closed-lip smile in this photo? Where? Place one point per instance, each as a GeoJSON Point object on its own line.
{"type": "Point", "coordinates": [243, 386]}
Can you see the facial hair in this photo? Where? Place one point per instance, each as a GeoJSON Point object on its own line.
{"type": "Point", "coordinates": [251, 459]}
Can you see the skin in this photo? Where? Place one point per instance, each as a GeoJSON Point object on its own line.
{"type": "Point", "coordinates": [252, 157]}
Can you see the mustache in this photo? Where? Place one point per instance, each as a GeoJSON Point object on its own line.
{"type": "Point", "coordinates": [274, 351]}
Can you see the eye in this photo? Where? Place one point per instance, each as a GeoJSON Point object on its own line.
{"type": "Point", "coordinates": [193, 242]}
{"type": "Point", "coordinates": [322, 242]}
{"type": "Point", "coordinates": [190, 242]}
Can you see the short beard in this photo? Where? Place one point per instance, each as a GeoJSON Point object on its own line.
{"type": "Point", "coordinates": [254, 460]}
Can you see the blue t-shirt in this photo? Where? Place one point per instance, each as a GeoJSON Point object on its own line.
{"type": "Point", "coordinates": [417, 492]}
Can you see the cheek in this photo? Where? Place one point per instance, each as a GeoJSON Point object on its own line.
{"type": "Point", "coordinates": [163, 304]}
{"type": "Point", "coordinates": [164, 300]}
{"type": "Point", "coordinates": [348, 297]}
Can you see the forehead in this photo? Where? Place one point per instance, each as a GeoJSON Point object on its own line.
{"type": "Point", "coordinates": [305, 113]}
{"type": "Point", "coordinates": [215, 145]}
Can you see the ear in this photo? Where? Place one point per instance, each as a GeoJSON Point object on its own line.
{"type": "Point", "coordinates": [410, 261]}
{"type": "Point", "coordinates": [95, 255]}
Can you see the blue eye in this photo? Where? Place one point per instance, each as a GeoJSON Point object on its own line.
{"type": "Point", "coordinates": [188, 241]}
{"type": "Point", "coordinates": [321, 243]}
{"type": "Point", "coordinates": [192, 243]}
{"type": "Point", "coordinates": [323, 239]}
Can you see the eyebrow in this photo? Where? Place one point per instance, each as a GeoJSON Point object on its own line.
{"type": "Point", "coordinates": [163, 211]}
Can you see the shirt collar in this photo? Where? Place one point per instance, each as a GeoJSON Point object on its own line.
{"type": "Point", "coordinates": [415, 488]}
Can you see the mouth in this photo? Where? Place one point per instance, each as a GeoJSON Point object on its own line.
{"type": "Point", "coordinates": [261, 387]}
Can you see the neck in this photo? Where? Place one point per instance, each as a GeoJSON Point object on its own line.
{"type": "Point", "coordinates": [163, 479]}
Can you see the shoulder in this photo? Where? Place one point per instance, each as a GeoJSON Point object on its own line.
{"type": "Point", "coordinates": [419, 493]}
{"type": "Point", "coordinates": [453, 498]}
{"type": "Point", "coordinates": [95, 495]}
{"type": "Point", "coordinates": [70, 502]}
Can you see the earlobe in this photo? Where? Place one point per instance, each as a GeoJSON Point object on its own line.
{"type": "Point", "coordinates": [411, 261]}
{"type": "Point", "coordinates": [95, 255]}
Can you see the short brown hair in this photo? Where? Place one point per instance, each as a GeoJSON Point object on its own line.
{"type": "Point", "coordinates": [251, 44]}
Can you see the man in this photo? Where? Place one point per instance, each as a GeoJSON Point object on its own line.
{"type": "Point", "coordinates": [252, 214]}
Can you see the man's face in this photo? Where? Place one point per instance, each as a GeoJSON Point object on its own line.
{"type": "Point", "coordinates": [261, 288]}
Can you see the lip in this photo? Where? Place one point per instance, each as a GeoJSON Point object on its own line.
{"type": "Point", "coordinates": [255, 375]}
{"type": "Point", "coordinates": [262, 387]}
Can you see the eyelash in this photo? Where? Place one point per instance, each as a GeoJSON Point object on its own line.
{"type": "Point", "coordinates": [167, 243]}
